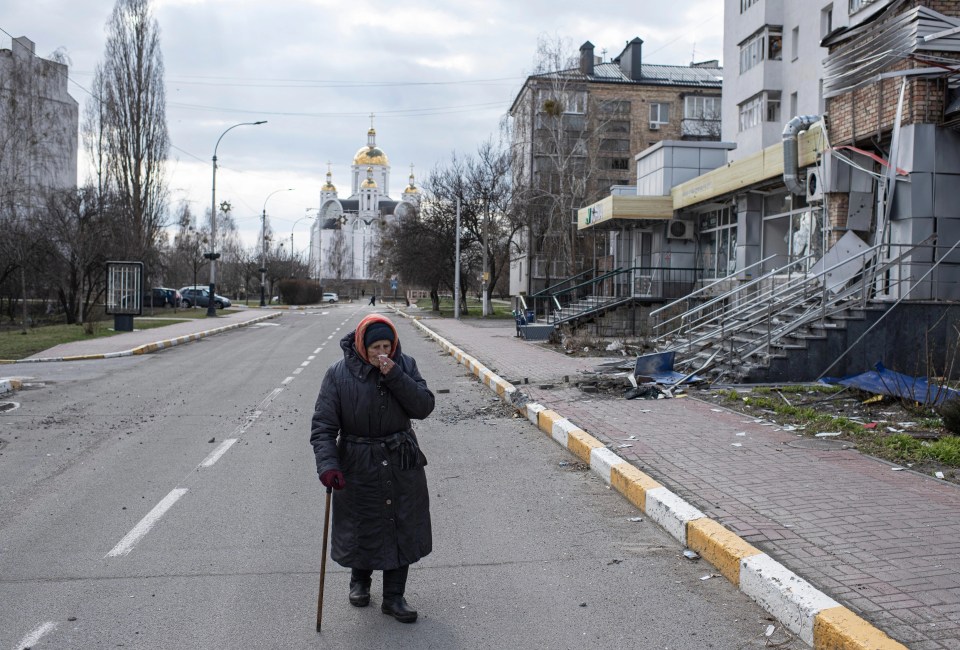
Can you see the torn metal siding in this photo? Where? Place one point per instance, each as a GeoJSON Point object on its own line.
{"type": "Point", "coordinates": [863, 58]}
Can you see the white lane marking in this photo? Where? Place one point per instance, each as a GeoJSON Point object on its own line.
{"type": "Point", "coordinates": [130, 540]}
{"type": "Point", "coordinates": [35, 635]}
{"type": "Point", "coordinates": [330, 337]}
{"type": "Point", "coordinates": [317, 351]}
{"type": "Point", "coordinates": [287, 381]}
{"type": "Point", "coordinates": [298, 371]}
{"type": "Point", "coordinates": [215, 455]}
{"type": "Point", "coordinates": [311, 357]}
{"type": "Point", "coordinates": [304, 364]}
{"type": "Point", "coordinates": [269, 398]}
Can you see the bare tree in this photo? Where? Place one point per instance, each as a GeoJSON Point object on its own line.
{"type": "Point", "coordinates": [557, 134]}
{"type": "Point", "coordinates": [133, 124]}
{"type": "Point", "coordinates": [337, 261]}
{"type": "Point", "coordinates": [74, 250]}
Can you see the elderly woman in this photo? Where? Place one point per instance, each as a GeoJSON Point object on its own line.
{"type": "Point", "coordinates": [381, 510]}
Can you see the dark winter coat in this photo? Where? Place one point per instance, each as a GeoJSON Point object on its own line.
{"type": "Point", "coordinates": [381, 519]}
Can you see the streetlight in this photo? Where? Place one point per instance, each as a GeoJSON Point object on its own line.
{"type": "Point", "coordinates": [306, 216]}
{"type": "Point", "coordinates": [263, 245]}
{"type": "Point", "coordinates": [213, 255]}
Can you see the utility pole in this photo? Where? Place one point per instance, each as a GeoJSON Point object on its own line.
{"type": "Point", "coordinates": [456, 266]}
{"type": "Point", "coordinates": [486, 263]}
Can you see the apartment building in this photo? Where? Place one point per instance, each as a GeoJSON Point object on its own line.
{"type": "Point", "coordinates": [858, 182]}
{"type": "Point", "coordinates": [775, 65]}
{"type": "Point", "coordinates": [38, 127]}
{"type": "Point", "coordinates": [574, 132]}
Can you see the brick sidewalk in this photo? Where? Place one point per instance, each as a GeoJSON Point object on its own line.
{"type": "Point", "coordinates": [884, 543]}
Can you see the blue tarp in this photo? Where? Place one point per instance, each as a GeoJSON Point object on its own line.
{"type": "Point", "coordinates": [887, 382]}
{"type": "Point", "coordinates": [659, 368]}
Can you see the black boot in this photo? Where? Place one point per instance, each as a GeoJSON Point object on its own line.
{"type": "Point", "coordinates": [360, 587]}
{"type": "Point", "coordinates": [394, 604]}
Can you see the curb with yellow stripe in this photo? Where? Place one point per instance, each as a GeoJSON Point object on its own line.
{"type": "Point", "coordinates": [149, 347]}
{"type": "Point", "coordinates": [819, 620]}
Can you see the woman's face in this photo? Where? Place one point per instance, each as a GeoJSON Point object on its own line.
{"type": "Point", "coordinates": [378, 348]}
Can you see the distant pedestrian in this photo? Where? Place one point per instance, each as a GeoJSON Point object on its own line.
{"type": "Point", "coordinates": [368, 453]}
{"type": "Point", "coordinates": [373, 299]}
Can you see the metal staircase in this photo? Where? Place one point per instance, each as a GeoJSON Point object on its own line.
{"type": "Point", "coordinates": [776, 314]}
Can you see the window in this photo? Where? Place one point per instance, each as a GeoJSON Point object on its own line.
{"type": "Point", "coordinates": [615, 106]}
{"type": "Point", "coordinates": [700, 107]}
{"type": "Point", "coordinates": [773, 107]}
{"type": "Point", "coordinates": [826, 20]}
{"type": "Point", "coordinates": [717, 248]}
{"type": "Point", "coordinates": [764, 44]}
{"type": "Point", "coordinates": [660, 113]}
{"type": "Point", "coordinates": [617, 126]}
{"type": "Point", "coordinates": [795, 44]}
{"type": "Point", "coordinates": [614, 145]}
{"type": "Point", "coordinates": [620, 163]}
{"type": "Point", "coordinates": [794, 101]}
{"type": "Point", "coordinates": [857, 5]}
{"type": "Point", "coordinates": [746, 4]}
{"type": "Point", "coordinates": [763, 107]}
{"type": "Point", "coordinates": [554, 102]}
{"type": "Point", "coordinates": [750, 113]}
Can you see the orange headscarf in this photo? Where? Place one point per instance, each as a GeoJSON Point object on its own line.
{"type": "Point", "coordinates": [362, 329]}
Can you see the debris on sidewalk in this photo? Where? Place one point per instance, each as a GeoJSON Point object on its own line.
{"type": "Point", "coordinates": [690, 555]}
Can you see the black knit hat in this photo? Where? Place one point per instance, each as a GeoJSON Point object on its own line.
{"type": "Point", "coordinates": [377, 332]}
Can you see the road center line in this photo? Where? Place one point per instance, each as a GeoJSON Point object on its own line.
{"type": "Point", "coordinates": [311, 357]}
{"type": "Point", "coordinates": [35, 635]}
{"type": "Point", "coordinates": [215, 455]}
{"type": "Point", "coordinates": [304, 364]}
{"type": "Point", "coordinates": [143, 527]}
{"type": "Point", "coordinates": [298, 371]}
{"type": "Point", "coordinates": [287, 381]}
{"type": "Point", "coordinates": [317, 351]}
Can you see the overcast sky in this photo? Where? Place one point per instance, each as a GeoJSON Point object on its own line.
{"type": "Point", "coordinates": [438, 77]}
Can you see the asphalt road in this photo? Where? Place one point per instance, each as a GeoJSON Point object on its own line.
{"type": "Point", "coordinates": [129, 519]}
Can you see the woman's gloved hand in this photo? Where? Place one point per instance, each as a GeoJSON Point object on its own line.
{"type": "Point", "coordinates": [333, 478]}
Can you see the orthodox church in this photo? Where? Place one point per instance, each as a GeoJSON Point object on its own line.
{"type": "Point", "coordinates": [345, 236]}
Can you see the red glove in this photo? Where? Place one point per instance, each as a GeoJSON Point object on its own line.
{"type": "Point", "coordinates": [333, 478]}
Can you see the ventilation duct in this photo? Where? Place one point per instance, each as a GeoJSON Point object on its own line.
{"type": "Point", "coordinates": [791, 158]}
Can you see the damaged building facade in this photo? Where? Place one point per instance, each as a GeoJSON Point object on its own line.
{"type": "Point", "coordinates": [834, 247]}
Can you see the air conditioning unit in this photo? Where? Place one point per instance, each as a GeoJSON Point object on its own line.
{"type": "Point", "coordinates": [814, 185]}
{"type": "Point", "coordinates": [677, 229]}
{"type": "Point", "coordinates": [654, 126]}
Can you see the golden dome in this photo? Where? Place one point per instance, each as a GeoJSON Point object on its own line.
{"type": "Point", "coordinates": [370, 156]}
{"type": "Point", "coordinates": [328, 187]}
{"type": "Point", "coordinates": [368, 182]}
{"type": "Point", "coordinates": [411, 189]}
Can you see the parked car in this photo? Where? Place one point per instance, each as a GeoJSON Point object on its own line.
{"type": "Point", "coordinates": [201, 298]}
{"type": "Point", "coordinates": [330, 297]}
{"type": "Point", "coordinates": [161, 297]}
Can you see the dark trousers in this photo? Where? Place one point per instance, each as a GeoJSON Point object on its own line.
{"type": "Point", "coordinates": [394, 580]}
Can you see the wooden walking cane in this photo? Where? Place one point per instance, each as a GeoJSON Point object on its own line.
{"type": "Point", "coordinates": [323, 563]}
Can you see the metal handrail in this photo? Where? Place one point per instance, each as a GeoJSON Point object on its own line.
{"type": "Point", "coordinates": [706, 287]}
{"type": "Point", "coordinates": [553, 286]}
{"type": "Point", "coordinates": [791, 295]}
{"type": "Point", "coordinates": [692, 323]}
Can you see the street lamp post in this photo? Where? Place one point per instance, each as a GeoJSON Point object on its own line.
{"type": "Point", "coordinates": [213, 255]}
{"type": "Point", "coordinates": [306, 216]}
{"type": "Point", "coordinates": [263, 246]}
